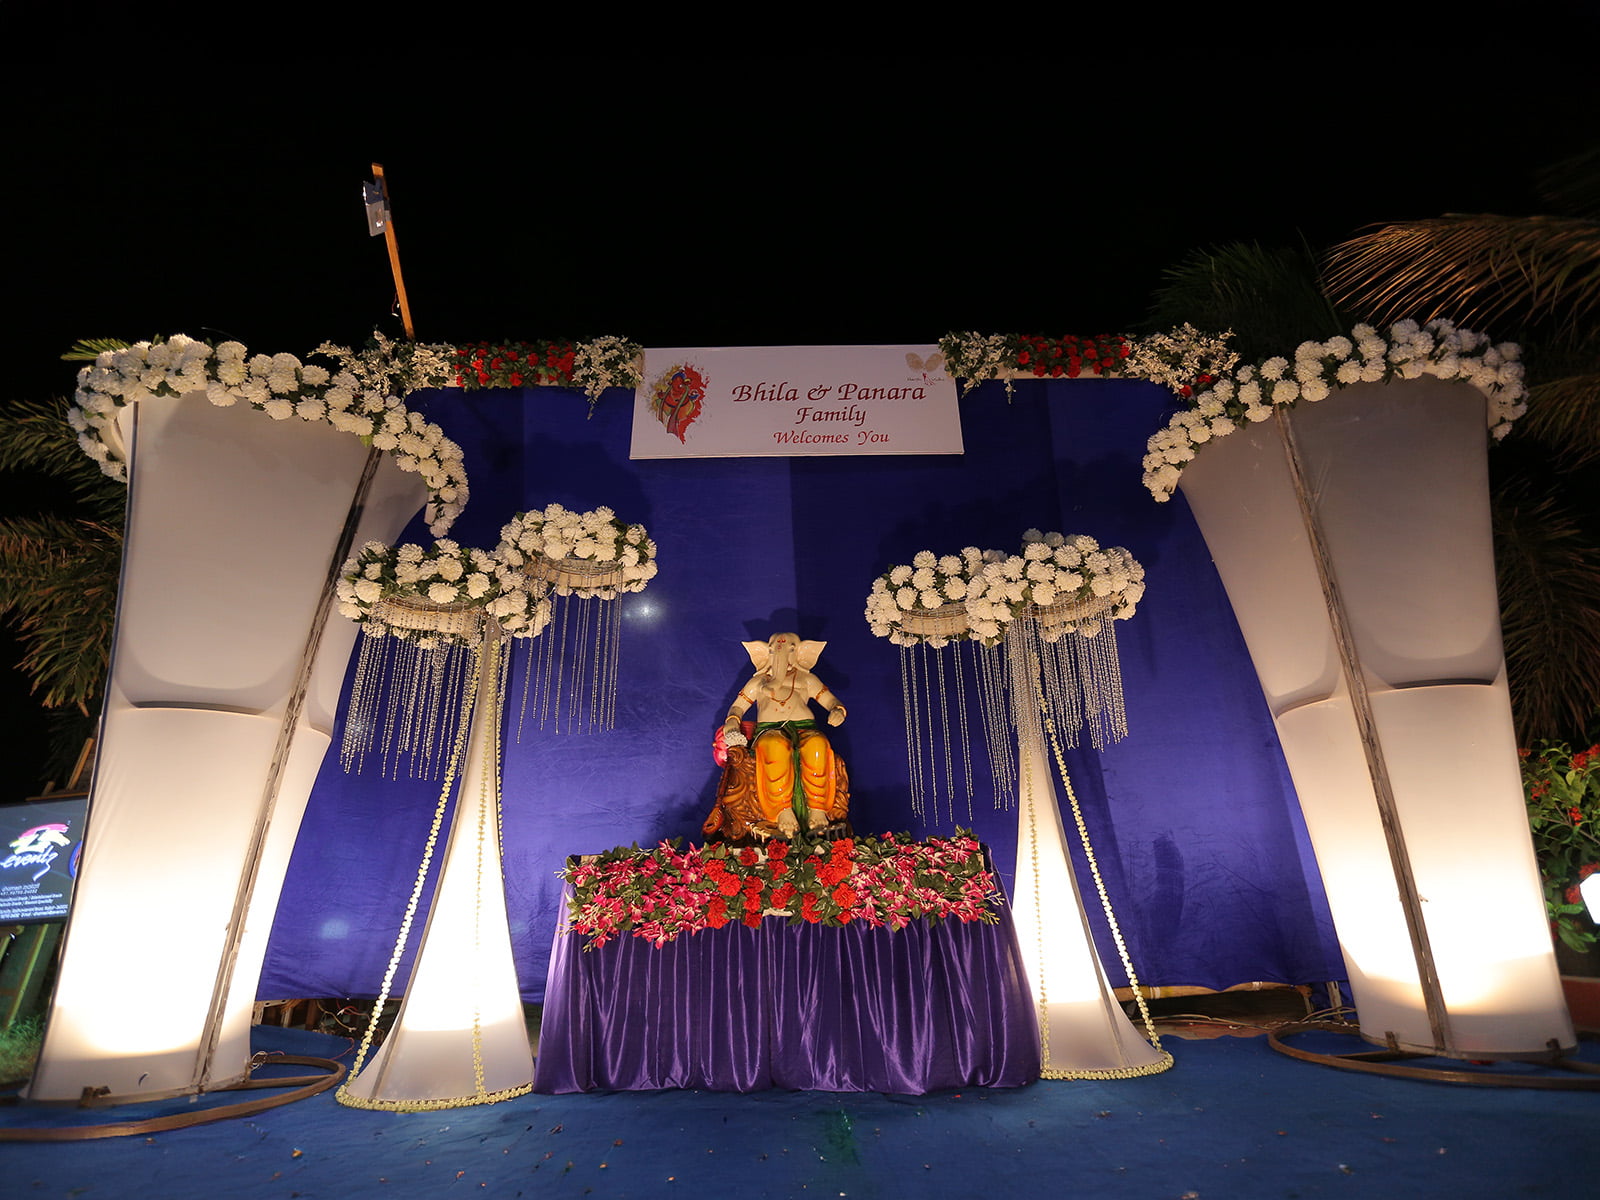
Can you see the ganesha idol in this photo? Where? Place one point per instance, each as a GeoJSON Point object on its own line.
{"type": "Point", "coordinates": [782, 775]}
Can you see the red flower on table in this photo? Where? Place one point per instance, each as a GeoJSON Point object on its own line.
{"type": "Point", "coordinates": [749, 857]}
{"type": "Point", "coordinates": [808, 908]}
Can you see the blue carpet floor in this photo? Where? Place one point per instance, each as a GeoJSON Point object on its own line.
{"type": "Point", "coordinates": [1232, 1119]}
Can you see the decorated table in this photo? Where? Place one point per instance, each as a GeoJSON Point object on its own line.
{"type": "Point", "coordinates": [835, 998]}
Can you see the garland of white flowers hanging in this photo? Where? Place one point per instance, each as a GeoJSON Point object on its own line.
{"type": "Point", "coordinates": [423, 615]}
{"type": "Point", "coordinates": [364, 396]}
{"type": "Point", "coordinates": [1406, 351]}
{"type": "Point", "coordinates": [587, 560]}
{"type": "Point", "coordinates": [1052, 604]}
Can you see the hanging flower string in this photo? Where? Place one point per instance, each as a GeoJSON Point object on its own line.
{"type": "Point", "coordinates": [1406, 351]}
{"type": "Point", "coordinates": [890, 881]}
{"type": "Point", "coordinates": [365, 397]}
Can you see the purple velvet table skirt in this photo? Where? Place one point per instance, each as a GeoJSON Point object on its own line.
{"type": "Point", "coordinates": [850, 1009]}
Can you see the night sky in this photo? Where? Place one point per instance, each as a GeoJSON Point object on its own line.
{"type": "Point", "coordinates": [785, 202]}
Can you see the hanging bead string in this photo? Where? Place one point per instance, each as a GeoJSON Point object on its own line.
{"type": "Point", "coordinates": [457, 751]}
{"type": "Point", "coordinates": [997, 733]}
{"type": "Point", "coordinates": [926, 699]}
{"type": "Point", "coordinates": [564, 603]}
{"type": "Point", "coordinates": [579, 661]}
{"type": "Point", "coordinates": [576, 677]}
{"type": "Point", "coordinates": [410, 691]}
{"type": "Point", "coordinates": [944, 731]}
{"type": "Point", "coordinates": [913, 734]}
{"type": "Point", "coordinates": [1106, 671]}
{"type": "Point", "coordinates": [608, 690]}
{"type": "Point", "coordinates": [598, 658]}
{"type": "Point", "coordinates": [530, 662]}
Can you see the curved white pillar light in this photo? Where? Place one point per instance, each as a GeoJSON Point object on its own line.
{"type": "Point", "coordinates": [1372, 619]}
{"type": "Point", "coordinates": [206, 758]}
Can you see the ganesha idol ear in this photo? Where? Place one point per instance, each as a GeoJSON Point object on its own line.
{"type": "Point", "coordinates": [760, 654]}
{"type": "Point", "coordinates": [808, 653]}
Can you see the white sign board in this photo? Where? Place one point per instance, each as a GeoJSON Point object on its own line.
{"type": "Point", "coordinates": [738, 402]}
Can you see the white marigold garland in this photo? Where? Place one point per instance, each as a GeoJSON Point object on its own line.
{"type": "Point", "coordinates": [364, 397]}
{"type": "Point", "coordinates": [1406, 351]}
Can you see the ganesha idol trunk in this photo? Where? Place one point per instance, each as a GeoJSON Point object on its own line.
{"type": "Point", "coordinates": [1353, 538]}
{"type": "Point", "coordinates": [225, 674]}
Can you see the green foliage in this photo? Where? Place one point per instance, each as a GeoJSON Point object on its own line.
{"type": "Point", "coordinates": [1563, 795]}
{"type": "Point", "coordinates": [19, 1048]}
{"type": "Point", "coordinates": [89, 349]}
{"type": "Point", "coordinates": [58, 571]}
{"type": "Point", "coordinates": [1269, 297]}
{"type": "Point", "coordinates": [1548, 569]}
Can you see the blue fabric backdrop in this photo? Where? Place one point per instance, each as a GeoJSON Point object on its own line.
{"type": "Point", "coordinates": [1194, 819]}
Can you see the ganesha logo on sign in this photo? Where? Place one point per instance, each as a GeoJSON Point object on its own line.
{"type": "Point", "coordinates": [736, 402]}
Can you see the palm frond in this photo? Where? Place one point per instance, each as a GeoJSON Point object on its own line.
{"type": "Point", "coordinates": [58, 582]}
{"type": "Point", "coordinates": [1269, 297]}
{"type": "Point", "coordinates": [1565, 414]}
{"type": "Point", "coordinates": [1572, 186]}
{"type": "Point", "coordinates": [1496, 274]}
{"type": "Point", "coordinates": [89, 349]}
{"type": "Point", "coordinates": [1549, 578]}
{"type": "Point", "coordinates": [35, 436]}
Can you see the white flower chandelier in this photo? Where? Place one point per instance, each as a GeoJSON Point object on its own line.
{"type": "Point", "coordinates": [587, 560]}
{"type": "Point", "coordinates": [1047, 610]}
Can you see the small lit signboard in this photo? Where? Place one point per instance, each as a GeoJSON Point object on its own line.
{"type": "Point", "coordinates": [40, 845]}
